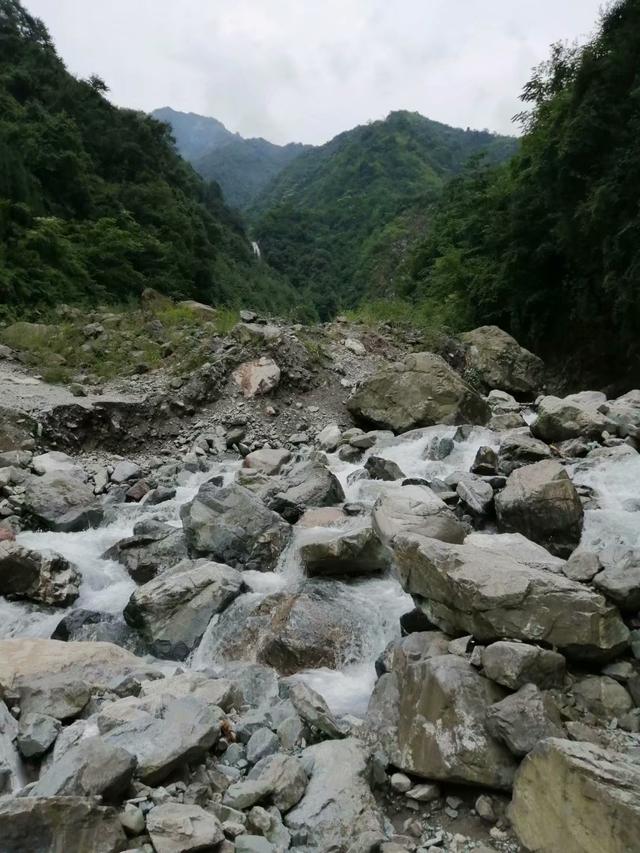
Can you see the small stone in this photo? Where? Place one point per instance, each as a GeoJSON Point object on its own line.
{"type": "Point", "coordinates": [401, 783]}
{"type": "Point", "coordinates": [484, 808]}
{"type": "Point", "coordinates": [424, 793]}
{"type": "Point", "coordinates": [132, 819]}
{"type": "Point", "coordinates": [261, 743]}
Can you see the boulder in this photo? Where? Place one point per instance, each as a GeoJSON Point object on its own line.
{"type": "Point", "coordinates": [59, 825]}
{"type": "Point", "coordinates": [233, 526]}
{"type": "Point", "coordinates": [40, 576]}
{"type": "Point", "coordinates": [518, 449]}
{"type": "Point", "coordinates": [150, 551]}
{"type": "Point", "coordinates": [500, 362]}
{"type": "Point", "coordinates": [224, 693]}
{"type": "Point", "coordinates": [278, 778]}
{"type": "Point", "coordinates": [90, 768]}
{"type": "Point", "coordinates": [55, 678]}
{"type": "Point", "coordinates": [620, 583]}
{"type": "Point", "coordinates": [486, 462]}
{"type": "Point", "coordinates": [431, 718]}
{"type": "Point", "coordinates": [318, 625]}
{"type": "Point", "coordinates": [379, 468]}
{"type": "Point", "coordinates": [125, 471]}
{"type": "Point", "coordinates": [329, 438]}
{"type": "Point", "coordinates": [61, 501]}
{"type": "Point", "coordinates": [55, 460]}
{"type": "Point", "coordinates": [338, 809]}
{"type": "Point", "coordinates": [11, 770]}
{"type": "Point", "coordinates": [356, 552]}
{"type": "Point", "coordinates": [314, 710]}
{"type": "Point", "coordinates": [476, 495]}
{"type": "Point", "coordinates": [36, 734]}
{"type": "Point", "coordinates": [516, 545]}
{"type": "Point", "coordinates": [422, 391]}
{"type": "Point", "coordinates": [515, 664]}
{"type": "Point", "coordinates": [576, 797]}
{"type": "Point", "coordinates": [415, 509]}
{"type": "Point", "coordinates": [182, 828]}
{"type": "Point", "coordinates": [267, 461]}
{"type": "Point", "coordinates": [308, 484]}
{"type": "Point", "coordinates": [466, 590]}
{"type": "Point", "coordinates": [560, 419]}
{"type": "Point", "coordinates": [523, 719]}
{"type": "Point", "coordinates": [541, 502]}
{"type": "Point", "coordinates": [172, 611]}
{"type": "Point", "coordinates": [256, 378]}
{"type": "Point", "coordinates": [624, 413]}
{"type": "Point", "coordinates": [94, 626]}
{"type": "Point", "coordinates": [602, 696]}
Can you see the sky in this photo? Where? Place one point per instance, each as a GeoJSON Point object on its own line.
{"type": "Point", "coordinates": [305, 70]}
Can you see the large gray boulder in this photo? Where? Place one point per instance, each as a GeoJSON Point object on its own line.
{"type": "Point", "coordinates": [61, 501]}
{"type": "Point", "coordinates": [500, 362]}
{"type": "Point", "coordinates": [172, 611]}
{"type": "Point", "coordinates": [431, 718]}
{"type": "Point", "coordinates": [620, 582]}
{"type": "Point", "coordinates": [233, 526]}
{"type": "Point", "coordinates": [41, 576]}
{"type": "Point", "coordinates": [515, 664]}
{"type": "Point", "coordinates": [560, 419]}
{"type": "Point", "coordinates": [466, 590]}
{"type": "Point", "coordinates": [523, 719]}
{"type": "Point", "coordinates": [318, 625]}
{"type": "Point", "coordinates": [223, 692]}
{"type": "Point", "coordinates": [578, 798]}
{"type": "Point", "coordinates": [182, 828]}
{"type": "Point", "coordinates": [518, 449]}
{"type": "Point", "coordinates": [280, 779]}
{"type": "Point", "coordinates": [59, 825]}
{"type": "Point", "coordinates": [309, 484]}
{"type": "Point", "coordinates": [92, 767]}
{"type": "Point", "coordinates": [517, 546]}
{"type": "Point", "coordinates": [268, 460]}
{"type": "Point", "coordinates": [624, 413]}
{"type": "Point", "coordinates": [541, 502]}
{"type": "Point", "coordinates": [151, 550]}
{"type": "Point", "coordinates": [420, 392]}
{"type": "Point", "coordinates": [338, 808]}
{"type": "Point", "coordinates": [356, 552]}
{"type": "Point", "coordinates": [415, 509]}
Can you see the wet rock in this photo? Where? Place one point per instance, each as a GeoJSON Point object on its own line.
{"type": "Point", "coordinates": [602, 696]}
{"type": "Point", "coordinates": [486, 461]}
{"type": "Point", "coordinates": [338, 808]}
{"type": "Point", "coordinates": [515, 664]}
{"type": "Point", "coordinates": [541, 502]}
{"type": "Point", "coordinates": [462, 591]}
{"type": "Point", "coordinates": [313, 709]}
{"type": "Point", "coordinates": [150, 551]}
{"type": "Point", "coordinates": [317, 625]}
{"type": "Point", "coordinates": [379, 468]}
{"type": "Point", "coordinates": [439, 448]}
{"type": "Point", "coordinates": [519, 449]}
{"type": "Point", "coordinates": [279, 779]}
{"type": "Point", "coordinates": [433, 723]}
{"type": "Point", "coordinates": [93, 626]}
{"type": "Point", "coordinates": [59, 825]}
{"type": "Point", "coordinates": [61, 501]}
{"type": "Point", "coordinates": [231, 525]}
{"type": "Point", "coordinates": [366, 440]}
{"type": "Point", "coordinates": [309, 484]}
{"type": "Point", "coordinates": [159, 495]}
{"type": "Point", "coordinates": [40, 576]}
{"type": "Point", "coordinates": [172, 612]}
{"type": "Point", "coordinates": [523, 719]}
{"type": "Point", "coordinates": [267, 460]}
{"type": "Point", "coordinates": [421, 392]}
{"type": "Point", "coordinates": [624, 413]}
{"type": "Point", "coordinates": [475, 494]}
{"type": "Point", "coordinates": [582, 566]}
{"type": "Point", "coordinates": [180, 828]}
{"type": "Point", "coordinates": [36, 734]}
{"type": "Point", "coordinates": [415, 509]}
{"type": "Point", "coordinates": [500, 362]}
{"type": "Point", "coordinates": [584, 795]}
{"type": "Point", "coordinates": [356, 552]}
{"type": "Point", "coordinates": [256, 378]}
{"type": "Point", "coordinates": [561, 419]}
{"type": "Point", "coordinates": [620, 583]}
{"type": "Point", "coordinates": [92, 767]}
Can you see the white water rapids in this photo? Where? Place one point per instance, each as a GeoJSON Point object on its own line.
{"type": "Point", "coordinates": [612, 527]}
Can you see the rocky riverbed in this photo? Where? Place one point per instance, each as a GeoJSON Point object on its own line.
{"type": "Point", "coordinates": [350, 597]}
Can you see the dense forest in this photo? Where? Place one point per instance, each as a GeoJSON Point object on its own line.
{"type": "Point", "coordinates": [95, 203]}
{"type": "Point", "coordinates": [338, 218]}
{"type": "Point", "coordinates": [548, 245]}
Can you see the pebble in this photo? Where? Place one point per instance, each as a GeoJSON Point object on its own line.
{"type": "Point", "coordinates": [424, 793]}
{"type": "Point", "coordinates": [401, 783]}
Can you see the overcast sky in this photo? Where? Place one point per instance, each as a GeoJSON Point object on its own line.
{"type": "Point", "coordinates": [304, 70]}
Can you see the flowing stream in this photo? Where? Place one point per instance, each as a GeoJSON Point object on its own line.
{"type": "Point", "coordinates": [612, 528]}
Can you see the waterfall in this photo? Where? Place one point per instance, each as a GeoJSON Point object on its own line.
{"type": "Point", "coordinates": [256, 249]}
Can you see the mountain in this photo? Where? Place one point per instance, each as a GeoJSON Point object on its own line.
{"type": "Point", "coordinates": [95, 204]}
{"type": "Point", "coordinates": [340, 217]}
{"type": "Point", "coordinates": [242, 167]}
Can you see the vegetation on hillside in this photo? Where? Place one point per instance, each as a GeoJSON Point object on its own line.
{"type": "Point", "coordinates": [95, 204]}
{"type": "Point", "coordinates": [339, 217]}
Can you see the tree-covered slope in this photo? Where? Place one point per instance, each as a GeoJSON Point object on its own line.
{"type": "Point", "coordinates": [549, 245]}
{"type": "Point", "coordinates": [95, 204]}
{"type": "Point", "coordinates": [335, 216]}
{"type": "Point", "coordinates": [195, 135]}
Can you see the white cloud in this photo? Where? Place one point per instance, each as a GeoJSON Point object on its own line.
{"type": "Point", "coordinates": [308, 69]}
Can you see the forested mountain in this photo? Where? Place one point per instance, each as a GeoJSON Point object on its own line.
{"type": "Point", "coordinates": [337, 218]}
{"type": "Point", "coordinates": [549, 245]}
{"type": "Point", "coordinates": [95, 204]}
{"type": "Point", "coordinates": [242, 167]}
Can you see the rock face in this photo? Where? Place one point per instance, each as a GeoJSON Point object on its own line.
{"type": "Point", "coordinates": [560, 419]}
{"type": "Point", "coordinates": [61, 501]}
{"type": "Point", "coordinates": [576, 796]}
{"type": "Point", "coordinates": [233, 526]}
{"type": "Point", "coordinates": [315, 626]}
{"type": "Point", "coordinates": [541, 502]}
{"type": "Point", "coordinates": [179, 828]}
{"type": "Point", "coordinates": [464, 589]}
{"type": "Point", "coordinates": [415, 509]}
{"type": "Point", "coordinates": [338, 807]}
{"type": "Point", "coordinates": [501, 363]}
{"type": "Point", "coordinates": [172, 612]}
{"type": "Point", "coordinates": [421, 392]}
{"type": "Point", "coordinates": [40, 576]}
{"type": "Point", "coordinates": [358, 552]}
{"type": "Point", "coordinates": [438, 706]}
{"type": "Point", "coordinates": [59, 825]}
{"type": "Point", "coordinates": [257, 377]}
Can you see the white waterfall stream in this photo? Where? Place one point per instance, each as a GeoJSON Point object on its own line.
{"type": "Point", "coordinates": [612, 526]}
